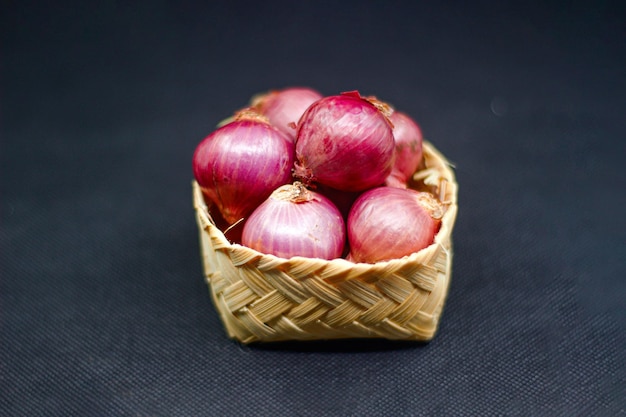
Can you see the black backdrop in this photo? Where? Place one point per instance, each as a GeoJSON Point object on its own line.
{"type": "Point", "coordinates": [104, 310]}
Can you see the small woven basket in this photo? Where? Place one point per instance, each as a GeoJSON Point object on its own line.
{"type": "Point", "coordinates": [265, 298]}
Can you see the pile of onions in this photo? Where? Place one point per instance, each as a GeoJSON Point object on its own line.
{"type": "Point", "coordinates": [295, 221]}
{"type": "Point", "coordinates": [335, 184]}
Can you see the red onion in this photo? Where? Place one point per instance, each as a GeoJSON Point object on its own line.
{"type": "Point", "coordinates": [408, 138]}
{"type": "Point", "coordinates": [284, 107]}
{"type": "Point", "coordinates": [344, 142]}
{"type": "Point", "coordinates": [295, 221]}
{"type": "Point", "coordinates": [389, 223]}
{"type": "Point", "coordinates": [343, 200]}
{"type": "Point", "coordinates": [240, 164]}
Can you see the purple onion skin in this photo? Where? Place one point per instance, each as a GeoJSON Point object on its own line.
{"type": "Point", "coordinates": [240, 164]}
{"type": "Point", "coordinates": [344, 142]}
{"type": "Point", "coordinates": [284, 107]}
{"type": "Point", "coordinates": [388, 223]}
{"type": "Point", "coordinates": [343, 200]}
{"type": "Point", "coordinates": [408, 139]}
{"type": "Point", "coordinates": [280, 226]}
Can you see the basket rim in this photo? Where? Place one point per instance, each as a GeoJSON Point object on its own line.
{"type": "Point", "coordinates": [444, 170]}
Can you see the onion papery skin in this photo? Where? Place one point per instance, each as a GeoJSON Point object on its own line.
{"type": "Point", "coordinates": [240, 164]}
{"type": "Point", "coordinates": [408, 142]}
{"type": "Point", "coordinates": [295, 221]}
{"type": "Point", "coordinates": [344, 142]}
{"type": "Point", "coordinates": [388, 223]}
{"type": "Point", "coordinates": [284, 107]}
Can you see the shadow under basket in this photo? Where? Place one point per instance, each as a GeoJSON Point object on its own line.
{"type": "Point", "coordinates": [265, 298]}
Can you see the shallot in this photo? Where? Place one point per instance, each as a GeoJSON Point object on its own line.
{"type": "Point", "coordinates": [344, 142]}
{"type": "Point", "coordinates": [295, 221]}
{"type": "Point", "coordinates": [241, 163]}
{"type": "Point", "coordinates": [388, 223]}
{"type": "Point", "coordinates": [408, 139]}
{"type": "Point", "coordinates": [284, 107]}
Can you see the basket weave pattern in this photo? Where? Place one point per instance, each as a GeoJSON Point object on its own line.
{"type": "Point", "coordinates": [265, 298]}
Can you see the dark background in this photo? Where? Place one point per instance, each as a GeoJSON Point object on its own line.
{"type": "Point", "coordinates": [103, 307]}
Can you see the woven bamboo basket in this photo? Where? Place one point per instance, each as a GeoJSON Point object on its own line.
{"type": "Point", "coordinates": [265, 298]}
